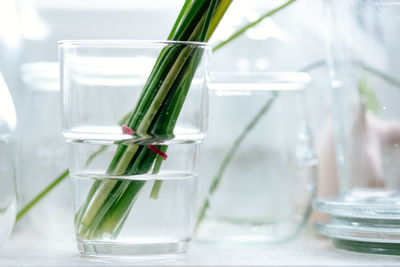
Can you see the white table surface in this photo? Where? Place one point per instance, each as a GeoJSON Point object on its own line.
{"type": "Point", "coordinates": [307, 250]}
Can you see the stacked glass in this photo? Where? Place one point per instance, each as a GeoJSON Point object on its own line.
{"type": "Point", "coordinates": [364, 60]}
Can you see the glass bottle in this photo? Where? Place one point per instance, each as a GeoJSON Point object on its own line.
{"type": "Point", "coordinates": [364, 63]}
{"type": "Point", "coordinates": [8, 199]}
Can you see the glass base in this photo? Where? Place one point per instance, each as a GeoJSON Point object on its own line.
{"type": "Point", "coordinates": [368, 224]}
{"type": "Point", "coordinates": [356, 207]}
{"type": "Point", "coordinates": [212, 231]}
{"type": "Point", "coordinates": [362, 239]}
{"type": "Point", "coordinates": [368, 247]}
{"type": "Point", "coordinates": [120, 249]}
{"type": "Point", "coordinates": [355, 232]}
{"type": "Point", "coordinates": [362, 204]}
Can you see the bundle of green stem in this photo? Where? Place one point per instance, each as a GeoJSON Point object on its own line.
{"type": "Point", "coordinates": [109, 201]}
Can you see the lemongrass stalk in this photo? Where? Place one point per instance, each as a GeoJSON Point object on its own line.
{"type": "Point", "coordinates": [102, 215]}
{"type": "Point", "coordinates": [43, 193]}
{"type": "Point", "coordinates": [101, 202]}
{"type": "Point", "coordinates": [251, 24]}
{"type": "Point", "coordinates": [118, 167]}
{"type": "Point", "coordinates": [223, 7]}
{"type": "Point", "coordinates": [183, 12]}
{"type": "Point", "coordinates": [163, 91]}
{"type": "Point", "coordinates": [115, 217]}
{"type": "Point", "coordinates": [228, 157]}
{"type": "Point", "coordinates": [155, 190]}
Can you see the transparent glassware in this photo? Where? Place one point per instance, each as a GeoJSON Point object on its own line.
{"type": "Point", "coordinates": [8, 149]}
{"type": "Point", "coordinates": [365, 65]}
{"type": "Point", "coordinates": [258, 159]}
{"type": "Point", "coordinates": [145, 207]}
{"type": "Point", "coordinates": [44, 154]}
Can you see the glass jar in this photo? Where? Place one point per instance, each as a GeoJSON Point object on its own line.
{"type": "Point", "coordinates": [8, 199]}
{"type": "Point", "coordinates": [258, 159]}
{"type": "Point", "coordinates": [44, 153]}
{"type": "Point", "coordinates": [364, 61]}
{"type": "Point", "coordinates": [134, 185]}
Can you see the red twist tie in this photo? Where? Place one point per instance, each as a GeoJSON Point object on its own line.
{"type": "Point", "coordinates": [158, 151]}
{"type": "Point", "coordinates": [129, 131]}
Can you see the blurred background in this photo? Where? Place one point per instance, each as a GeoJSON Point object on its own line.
{"type": "Point", "coordinates": [290, 40]}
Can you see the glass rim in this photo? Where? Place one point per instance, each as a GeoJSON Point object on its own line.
{"type": "Point", "coordinates": [268, 76]}
{"type": "Point", "coordinates": [125, 42]}
{"type": "Point", "coordinates": [244, 82]}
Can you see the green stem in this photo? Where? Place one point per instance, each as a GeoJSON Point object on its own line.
{"type": "Point", "coordinates": [208, 19]}
{"type": "Point", "coordinates": [384, 76]}
{"type": "Point", "coordinates": [379, 73]}
{"type": "Point", "coordinates": [155, 191]}
{"type": "Point", "coordinates": [228, 157]}
{"type": "Point", "coordinates": [99, 199]}
{"type": "Point", "coordinates": [217, 17]}
{"type": "Point", "coordinates": [163, 91]}
{"type": "Point", "coordinates": [251, 24]}
{"type": "Point", "coordinates": [113, 219]}
{"type": "Point", "coordinates": [178, 20]}
{"type": "Point", "coordinates": [113, 199]}
{"type": "Point", "coordinates": [34, 201]}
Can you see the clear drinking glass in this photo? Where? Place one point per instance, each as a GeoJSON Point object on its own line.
{"type": "Point", "coordinates": [128, 200]}
{"type": "Point", "coordinates": [365, 66]}
{"type": "Point", "coordinates": [258, 159]}
{"type": "Point", "coordinates": [8, 199]}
